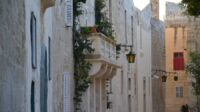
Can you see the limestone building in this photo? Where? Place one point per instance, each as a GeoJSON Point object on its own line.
{"type": "Point", "coordinates": [177, 90]}
{"type": "Point", "coordinates": [118, 96]}
{"type": "Point", "coordinates": [36, 55]}
{"type": "Point", "coordinates": [193, 42]}
{"type": "Point", "coordinates": [158, 57]}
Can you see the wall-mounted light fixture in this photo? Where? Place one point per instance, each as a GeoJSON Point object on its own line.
{"type": "Point", "coordinates": [164, 74]}
{"type": "Point", "coordinates": [131, 55]}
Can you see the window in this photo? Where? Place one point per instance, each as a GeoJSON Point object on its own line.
{"type": "Point", "coordinates": [68, 13]}
{"type": "Point", "coordinates": [125, 25]}
{"type": "Point", "coordinates": [122, 81]}
{"type": "Point", "coordinates": [49, 57]}
{"type": "Point", "coordinates": [129, 83]}
{"type": "Point", "coordinates": [33, 32]}
{"type": "Point", "coordinates": [144, 84]}
{"type": "Point", "coordinates": [129, 103]}
{"type": "Point", "coordinates": [32, 97]}
{"type": "Point", "coordinates": [135, 85]}
{"type": "Point", "coordinates": [144, 102]}
{"type": "Point", "coordinates": [110, 10]}
{"type": "Point", "coordinates": [179, 92]}
{"type": "Point", "coordinates": [132, 29]}
{"type": "Point", "coordinates": [178, 61]}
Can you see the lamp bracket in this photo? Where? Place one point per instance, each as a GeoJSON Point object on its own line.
{"type": "Point", "coordinates": [124, 45]}
{"type": "Point", "coordinates": [163, 71]}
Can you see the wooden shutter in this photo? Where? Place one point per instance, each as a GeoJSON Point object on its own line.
{"type": "Point", "coordinates": [67, 92]}
{"type": "Point", "coordinates": [68, 12]}
{"type": "Point", "coordinates": [178, 61]}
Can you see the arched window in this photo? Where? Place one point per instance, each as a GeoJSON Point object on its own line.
{"type": "Point", "coordinates": [33, 35]}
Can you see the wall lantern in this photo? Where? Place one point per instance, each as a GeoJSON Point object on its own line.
{"type": "Point", "coordinates": [175, 78]}
{"type": "Point", "coordinates": [130, 56]}
{"type": "Point", "coordinates": [164, 78]}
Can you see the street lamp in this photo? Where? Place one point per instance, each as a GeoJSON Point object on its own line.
{"type": "Point", "coordinates": [130, 56]}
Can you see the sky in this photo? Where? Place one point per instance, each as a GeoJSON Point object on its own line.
{"type": "Point", "coordinates": [141, 4]}
{"type": "Point", "coordinates": [175, 1]}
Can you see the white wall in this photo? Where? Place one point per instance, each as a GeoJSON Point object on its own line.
{"type": "Point", "coordinates": [33, 75]}
{"type": "Point", "coordinates": [143, 58]}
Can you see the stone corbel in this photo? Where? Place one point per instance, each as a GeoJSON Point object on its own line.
{"type": "Point", "coordinates": [46, 4]}
{"type": "Point", "coordinates": [98, 69]}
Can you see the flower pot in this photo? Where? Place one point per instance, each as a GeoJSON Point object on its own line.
{"type": "Point", "coordinates": [93, 29]}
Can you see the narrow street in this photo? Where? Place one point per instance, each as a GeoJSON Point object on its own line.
{"type": "Point", "coordinates": [99, 56]}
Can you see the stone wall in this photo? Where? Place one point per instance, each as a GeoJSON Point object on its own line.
{"type": "Point", "coordinates": [175, 38]}
{"type": "Point", "coordinates": [123, 98]}
{"type": "Point", "coordinates": [193, 34]}
{"type": "Point", "coordinates": [12, 56]}
{"type": "Point", "coordinates": [158, 65]}
{"type": "Point", "coordinates": [16, 72]}
{"type": "Point", "coordinates": [62, 57]}
{"type": "Point", "coordinates": [143, 59]}
{"type": "Point", "coordinates": [193, 45]}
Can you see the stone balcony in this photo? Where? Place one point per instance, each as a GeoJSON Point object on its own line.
{"type": "Point", "coordinates": [103, 59]}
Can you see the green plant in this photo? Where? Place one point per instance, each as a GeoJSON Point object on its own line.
{"type": "Point", "coordinates": [184, 108]}
{"type": "Point", "coordinates": [105, 27]}
{"type": "Point", "coordinates": [85, 30]}
{"type": "Point", "coordinates": [193, 67]}
{"type": "Point", "coordinates": [81, 67]}
{"type": "Point", "coordinates": [103, 24]}
{"type": "Point", "coordinates": [192, 7]}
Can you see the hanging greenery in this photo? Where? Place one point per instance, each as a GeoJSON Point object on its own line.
{"type": "Point", "coordinates": [102, 22]}
{"type": "Point", "coordinates": [81, 45]}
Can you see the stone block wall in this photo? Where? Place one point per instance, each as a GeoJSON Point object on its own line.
{"type": "Point", "coordinates": [158, 63]}
{"type": "Point", "coordinates": [62, 57]}
{"type": "Point", "coordinates": [12, 56]}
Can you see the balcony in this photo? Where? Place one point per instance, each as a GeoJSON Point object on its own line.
{"type": "Point", "coordinates": [103, 60]}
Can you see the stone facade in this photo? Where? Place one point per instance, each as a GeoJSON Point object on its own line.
{"type": "Point", "coordinates": [193, 43]}
{"type": "Point", "coordinates": [123, 84]}
{"type": "Point", "coordinates": [13, 55]}
{"type": "Point", "coordinates": [175, 41]}
{"type": "Point", "coordinates": [158, 65]}
{"type": "Point", "coordinates": [25, 88]}
{"type": "Point", "coordinates": [158, 57]}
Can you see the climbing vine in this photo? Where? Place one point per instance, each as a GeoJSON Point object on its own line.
{"type": "Point", "coordinates": [81, 46]}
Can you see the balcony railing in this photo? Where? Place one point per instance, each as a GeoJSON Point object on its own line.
{"type": "Point", "coordinates": [103, 58]}
{"type": "Point", "coordinates": [105, 48]}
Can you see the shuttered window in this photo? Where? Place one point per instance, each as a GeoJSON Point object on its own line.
{"type": "Point", "coordinates": [178, 61]}
{"type": "Point", "coordinates": [68, 12]}
{"type": "Point", "coordinates": [67, 92]}
{"type": "Point", "coordinates": [179, 92]}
